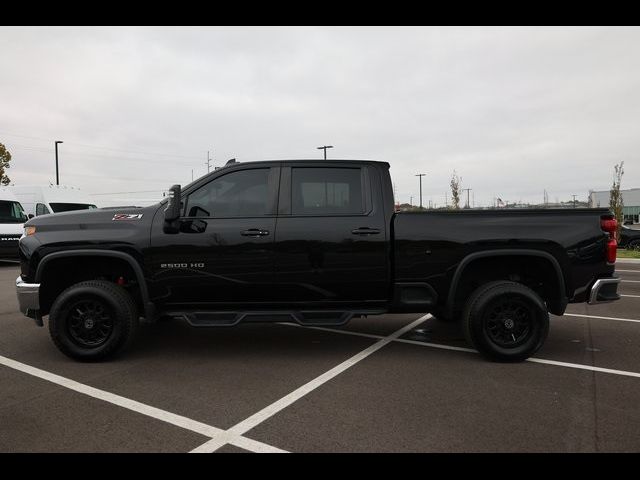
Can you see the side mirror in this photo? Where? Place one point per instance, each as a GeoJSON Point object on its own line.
{"type": "Point", "coordinates": [30, 216]}
{"type": "Point", "coordinates": [173, 210]}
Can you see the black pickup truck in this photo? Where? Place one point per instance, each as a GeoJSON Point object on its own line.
{"type": "Point", "coordinates": [314, 242]}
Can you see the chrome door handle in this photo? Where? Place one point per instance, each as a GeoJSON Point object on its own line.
{"type": "Point", "coordinates": [365, 231]}
{"type": "Point", "coordinates": [255, 232]}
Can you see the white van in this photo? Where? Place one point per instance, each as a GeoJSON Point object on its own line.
{"type": "Point", "coordinates": [12, 218]}
{"type": "Point", "coordinates": [38, 200]}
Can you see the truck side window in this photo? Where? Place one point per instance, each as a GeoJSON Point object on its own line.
{"type": "Point", "coordinates": [41, 209]}
{"type": "Point", "coordinates": [326, 191]}
{"type": "Point", "coordinates": [236, 194]}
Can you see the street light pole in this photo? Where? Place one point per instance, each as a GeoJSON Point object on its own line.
{"type": "Point", "coordinates": [467, 190]}
{"type": "Point", "coordinates": [420, 175]}
{"type": "Point", "coordinates": [57, 175]}
{"type": "Point", "coordinates": [208, 163]}
{"type": "Point", "coordinates": [325, 149]}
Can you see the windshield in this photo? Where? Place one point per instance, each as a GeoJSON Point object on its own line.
{"type": "Point", "coordinates": [11, 212]}
{"type": "Point", "coordinates": [68, 207]}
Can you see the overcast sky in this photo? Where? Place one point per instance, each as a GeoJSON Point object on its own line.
{"type": "Point", "coordinates": [514, 111]}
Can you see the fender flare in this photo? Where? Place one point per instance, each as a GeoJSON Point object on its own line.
{"type": "Point", "coordinates": [137, 270]}
{"type": "Point", "coordinates": [503, 253]}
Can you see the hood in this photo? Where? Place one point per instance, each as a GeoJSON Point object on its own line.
{"type": "Point", "coordinates": [128, 225]}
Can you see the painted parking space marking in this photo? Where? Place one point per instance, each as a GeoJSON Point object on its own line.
{"type": "Point", "coordinates": [531, 359]}
{"type": "Point", "coordinates": [632, 296]}
{"type": "Point", "coordinates": [617, 319]}
{"type": "Point", "coordinates": [256, 419]}
{"type": "Point", "coordinates": [138, 407]}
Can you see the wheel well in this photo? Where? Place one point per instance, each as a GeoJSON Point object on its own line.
{"type": "Point", "coordinates": [537, 273]}
{"type": "Point", "coordinates": [61, 273]}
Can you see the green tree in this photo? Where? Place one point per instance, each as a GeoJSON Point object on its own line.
{"type": "Point", "coordinates": [456, 183]}
{"type": "Point", "coordinates": [615, 196]}
{"type": "Point", "coordinates": [5, 158]}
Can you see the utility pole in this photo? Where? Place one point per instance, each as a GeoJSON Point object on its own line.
{"type": "Point", "coordinates": [420, 175]}
{"type": "Point", "coordinates": [57, 175]}
{"type": "Point", "coordinates": [324, 147]}
{"type": "Point", "coordinates": [574, 201]}
{"type": "Point", "coordinates": [467, 190]}
{"type": "Point", "coordinates": [411, 200]}
{"type": "Point", "coordinates": [208, 164]}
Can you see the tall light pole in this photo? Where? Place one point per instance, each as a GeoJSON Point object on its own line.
{"type": "Point", "coordinates": [208, 163]}
{"type": "Point", "coordinates": [324, 147]}
{"type": "Point", "coordinates": [420, 175]}
{"type": "Point", "coordinates": [467, 189]}
{"type": "Point", "coordinates": [57, 175]}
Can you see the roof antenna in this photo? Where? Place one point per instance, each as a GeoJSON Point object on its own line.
{"type": "Point", "coordinates": [229, 162]}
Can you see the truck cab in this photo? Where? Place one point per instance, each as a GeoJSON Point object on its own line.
{"type": "Point", "coordinates": [12, 218]}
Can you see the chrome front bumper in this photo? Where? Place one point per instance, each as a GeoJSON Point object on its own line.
{"type": "Point", "coordinates": [604, 290]}
{"type": "Point", "coordinates": [29, 298]}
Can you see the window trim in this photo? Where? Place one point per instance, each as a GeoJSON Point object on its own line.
{"type": "Point", "coordinates": [286, 191]}
{"type": "Point", "coordinates": [273, 178]}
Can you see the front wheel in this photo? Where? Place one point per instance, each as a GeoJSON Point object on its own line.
{"type": "Point", "coordinates": [505, 321]}
{"type": "Point", "coordinates": [93, 320]}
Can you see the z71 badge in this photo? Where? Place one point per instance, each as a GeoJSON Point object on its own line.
{"type": "Point", "coordinates": [127, 216]}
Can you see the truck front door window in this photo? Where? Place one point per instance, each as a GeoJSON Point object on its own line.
{"type": "Point", "coordinates": [237, 194]}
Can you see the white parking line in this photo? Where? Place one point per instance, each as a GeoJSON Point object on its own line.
{"type": "Point", "coordinates": [532, 359]}
{"type": "Point", "coordinates": [629, 281]}
{"type": "Point", "coordinates": [601, 318]}
{"type": "Point", "coordinates": [632, 271]}
{"type": "Point", "coordinates": [634, 296]}
{"type": "Point", "coordinates": [149, 411]}
{"type": "Point", "coordinates": [254, 420]}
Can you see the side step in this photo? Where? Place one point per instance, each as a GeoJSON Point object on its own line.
{"type": "Point", "coordinates": [305, 317]}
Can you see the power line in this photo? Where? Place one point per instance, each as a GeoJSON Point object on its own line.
{"type": "Point", "coordinates": [97, 155]}
{"type": "Point", "coordinates": [104, 148]}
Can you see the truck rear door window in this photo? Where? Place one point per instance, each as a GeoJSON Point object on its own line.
{"type": "Point", "coordinates": [326, 191]}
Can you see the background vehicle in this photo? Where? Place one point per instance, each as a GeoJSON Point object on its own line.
{"type": "Point", "coordinates": [12, 218]}
{"type": "Point", "coordinates": [42, 200]}
{"type": "Point", "coordinates": [316, 242]}
{"type": "Point", "coordinates": [629, 238]}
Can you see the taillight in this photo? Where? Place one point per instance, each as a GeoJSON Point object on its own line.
{"type": "Point", "coordinates": [610, 225]}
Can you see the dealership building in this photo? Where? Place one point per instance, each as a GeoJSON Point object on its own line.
{"type": "Point", "coordinates": [630, 199]}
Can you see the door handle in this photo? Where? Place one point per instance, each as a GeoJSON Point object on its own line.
{"type": "Point", "coordinates": [365, 231]}
{"type": "Point", "coordinates": [255, 232]}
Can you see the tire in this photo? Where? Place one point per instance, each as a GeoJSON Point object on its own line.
{"type": "Point", "coordinates": [505, 321]}
{"type": "Point", "coordinates": [93, 320]}
{"type": "Point", "coordinates": [634, 245]}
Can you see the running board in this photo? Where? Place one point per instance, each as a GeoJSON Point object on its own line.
{"type": "Point", "coordinates": [305, 317]}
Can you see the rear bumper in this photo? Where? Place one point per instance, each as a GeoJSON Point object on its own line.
{"type": "Point", "coordinates": [604, 290]}
{"type": "Point", "coordinates": [29, 299]}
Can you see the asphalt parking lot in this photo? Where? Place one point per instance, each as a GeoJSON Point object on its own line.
{"type": "Point", "coordinates": [397, 383]}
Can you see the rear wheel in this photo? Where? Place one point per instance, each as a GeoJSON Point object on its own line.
{"type": "Point", "coordinates": [93, 320]}
{"type": "Point", "coordinates": [505, 321]}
